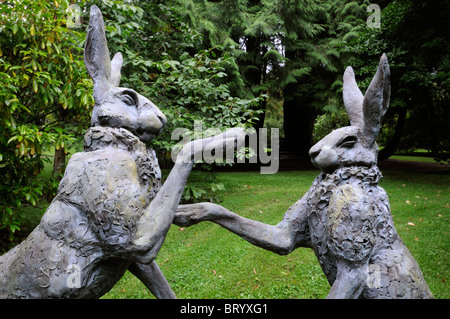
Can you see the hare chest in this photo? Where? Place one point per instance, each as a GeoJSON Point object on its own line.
{"type": "Point", "coordinates": [344, 221]}
{"type": "Point", "coordinates": [106, 184]}
{"type": "Point", "coordinates": [94, 216]}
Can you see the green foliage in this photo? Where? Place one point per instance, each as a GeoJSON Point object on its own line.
{"type": "Point", "coordinates": [46, 94]}
{"type": "Point", "coordinates": [190, 90]}
{"type": "Point", "coordinates": [187, 84]}
{"type": "Point", "coordinates": [328, 122]}
{"type": "Point", "coordinates": [41, 77]}
{"type": "Point", "coordinates": [414, 37]}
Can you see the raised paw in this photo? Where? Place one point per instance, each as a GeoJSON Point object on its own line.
{"type": "Point", "coordinates": [223, 143]}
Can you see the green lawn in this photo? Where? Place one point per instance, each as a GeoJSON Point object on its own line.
{"type": "Point", "coordinates": [413, 158]}
{"type": "Point", "coordinates": [206, 261]}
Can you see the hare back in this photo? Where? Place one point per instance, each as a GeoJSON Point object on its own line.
{"type": "Point", "coordinates": [393, 272]}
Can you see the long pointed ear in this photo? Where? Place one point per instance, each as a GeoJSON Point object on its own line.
{"type": "Point", "coordinates": [353, 98]}
{"type": "Point", "coordinates": [116, 66]}
{"type": "Point", "coordinates": [376, 101]}
{"type": "Point", "coordinates": [96, 54]}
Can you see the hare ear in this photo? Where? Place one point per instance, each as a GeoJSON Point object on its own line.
{"type": "Point", "coordinates": [376, 101]}
{"type": "Point", "coordinates": [116, 66]}
{"type": "Point", "coordinates": [96, 54]}
{"type": "Point", "coordinates": [353, 98]}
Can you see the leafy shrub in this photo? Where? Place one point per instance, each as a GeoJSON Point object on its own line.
{"type": "Point", "coordinates": [328, 122]}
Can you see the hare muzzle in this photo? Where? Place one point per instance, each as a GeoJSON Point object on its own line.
{"type": "Point", "coordinates": [149, 125]}
{"type": "Point", "coordinates": [323, 157]}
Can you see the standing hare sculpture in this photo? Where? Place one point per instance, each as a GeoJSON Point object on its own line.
{"type": "Point", "coordinates": [345, 216]}
{"type": "Point", "coordinates": [110, 213]}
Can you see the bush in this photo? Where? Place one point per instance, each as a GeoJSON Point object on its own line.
{"type": "Point", "coordinates": [328, 122]}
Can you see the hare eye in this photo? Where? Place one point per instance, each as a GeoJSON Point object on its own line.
{"type": "Point", "coordinates": [348, 141]}
{"type": "Point", "coordinates": [128, 99]}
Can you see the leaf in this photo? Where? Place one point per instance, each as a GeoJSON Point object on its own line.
{"type": "Point", "coordinates": [22, 149]}
{"type": "Point", "coordinates": [32, 30]}
{"type": "Point", "coordinates": [34, 64]}
{"type": "Point", "coordinates": [35, 85]}
{"type": "Point", "coordinates": [15, 28]}
{"type": "Point", "coordinates": [13, 228]}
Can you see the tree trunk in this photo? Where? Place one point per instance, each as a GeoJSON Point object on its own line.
{"type": "Point", "coordinates": [391, 147]}
{"type": "Point", "coordinates": [59, 162]}
{"type": "Point", "coordinates": [298, 123]}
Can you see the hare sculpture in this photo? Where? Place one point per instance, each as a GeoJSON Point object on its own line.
{"type": "Point", "coordinates": [111, 212]}
{"type": "Point", "coordinates": [345, 216]}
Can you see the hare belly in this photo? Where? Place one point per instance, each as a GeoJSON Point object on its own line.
{"type": "Point", "coordinates": [99, 278]}
{"type": "Point", "coordinates": [44, 267]}
{"type": "Point", "coordinates": [320, 241]}
{"type": "Point", "coordinates": [343, 229]}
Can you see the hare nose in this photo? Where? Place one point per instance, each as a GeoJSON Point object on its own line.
{"type": "Point", "coordinates": [314, 151]}
{"type": "Point", "coordinates": [153, 122]}
{"type": "Point", "coordinates": [162, 118]}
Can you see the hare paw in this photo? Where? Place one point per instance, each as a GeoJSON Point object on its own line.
{"type": "Point", "coordinates": [226, 140]}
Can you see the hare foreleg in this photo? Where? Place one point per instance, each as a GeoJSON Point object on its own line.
{"type": "Point", "coordinates": [281, 239]}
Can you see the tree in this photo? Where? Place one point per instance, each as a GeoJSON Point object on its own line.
{"type": "Point", "coordinates": [187, 81]}
{"type": "Point", "coordinates": [414, 36]}
{"type": "Point", "coordinates": [41, 82]}
{"type": "Point", "coordinates": [284, 49]}
{"type": "Point", "coordinates": [46, 94]}
{"type": "Point", "coordinates": [311, 77]}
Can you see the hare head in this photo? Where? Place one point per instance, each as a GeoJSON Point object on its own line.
{"type": "Point", "coordinates": [356, 144]}
{"type": "Point", "coordinates": [116, 106]}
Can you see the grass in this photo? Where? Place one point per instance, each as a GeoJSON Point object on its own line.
{"type": "Point", "coordinates": [413, 158]}
{"type": "Point", "coordinates": [207, 261]}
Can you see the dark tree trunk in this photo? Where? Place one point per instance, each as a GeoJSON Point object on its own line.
{"type": "Point", "coordinates": [298, 123]}
{"type": "Point", "coordinates": [391, 147]}
{"type": "Point", "coordinates": [59, 162]}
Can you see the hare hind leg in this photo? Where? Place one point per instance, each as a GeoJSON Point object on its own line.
{"type": "Point", "coordinates": [153, 278]}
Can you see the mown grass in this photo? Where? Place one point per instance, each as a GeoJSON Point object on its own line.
{"type": "Point", "coordinates": [206, 261]}
{"type": "Point", "coordinates": [413, 158]}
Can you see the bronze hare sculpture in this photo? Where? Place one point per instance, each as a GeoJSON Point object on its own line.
{"type": "Point", "coordinates": [111, 212]}
{"type": "Point", "coordinates": [345, 216]}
